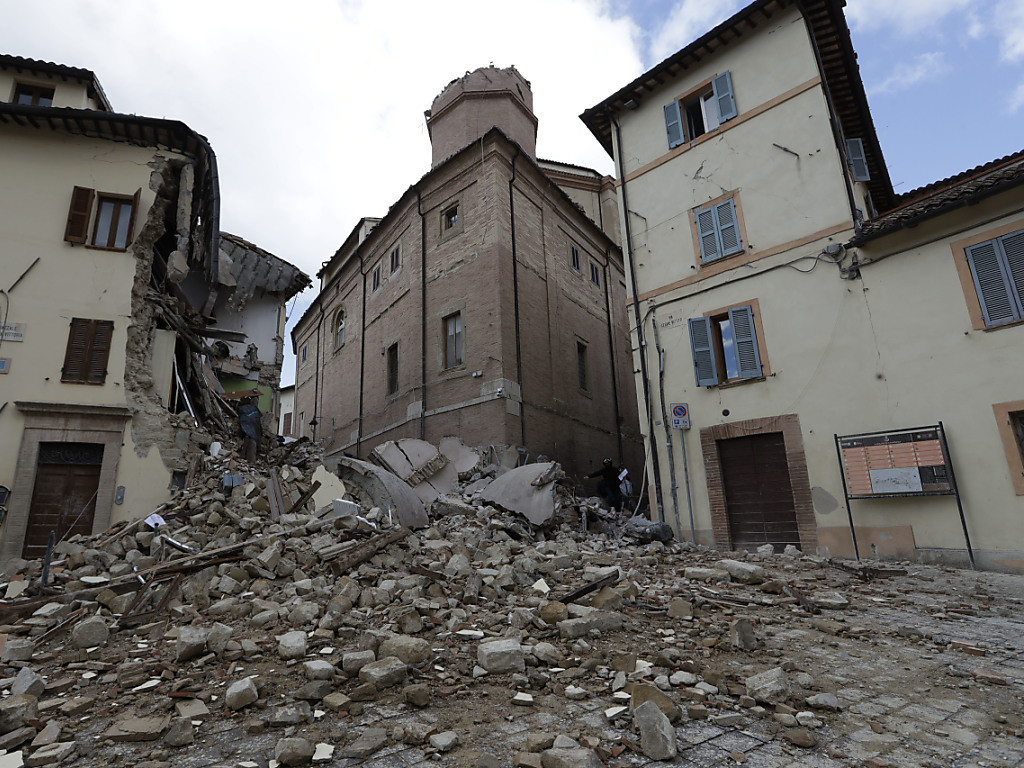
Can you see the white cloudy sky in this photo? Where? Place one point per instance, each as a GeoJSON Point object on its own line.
{"type": "Point", "coordinates": [315, 107]}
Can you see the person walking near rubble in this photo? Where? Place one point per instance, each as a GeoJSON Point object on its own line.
{"type": "Point", "coordinates": [608, 487]}
{"type": "Point", "coordinates": [251, 423]}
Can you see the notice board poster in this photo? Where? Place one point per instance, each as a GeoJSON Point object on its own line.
{"type": "Point", "coordinates": [905, 463]}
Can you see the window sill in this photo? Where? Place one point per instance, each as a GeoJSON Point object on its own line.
{"type": "Point", "coordinates": [1011, 324]}
{"type": "Point", "coordinates": [737, 382]}
{"type": "Point", "coordinates": [721, 259]}
{"type": "Point", "coordinates": [92, 247]}
{"type": "Point", "coordinates": [585, 393]}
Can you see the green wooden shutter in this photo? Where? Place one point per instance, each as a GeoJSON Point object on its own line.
{"type": "Point", "coordinates": [992, 282]}
{"type": "Point", "coordinates": [858, 160]}
{"type": "Point", "coordinates": [704, 369]}
{"type": "Point", "coordinates": [707, 233]}
{"type": "Point", "coordinates": [728, 231]}
{"type": "Point", "coordinates": [744, 335]}
{"type": "Point", "coordinates": [77, 228]}
{"type": "Point", "coordinates": [722, 86]}
{"type": "Point", "coordinates": [673, 124]}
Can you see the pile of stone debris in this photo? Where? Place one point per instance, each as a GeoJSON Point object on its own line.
{"type": "Point", "coordinates": [279, 616]}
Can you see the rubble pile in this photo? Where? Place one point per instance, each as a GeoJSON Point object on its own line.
{"type": "Point", "coordinates": [259, 622]}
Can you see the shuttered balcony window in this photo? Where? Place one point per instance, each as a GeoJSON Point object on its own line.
{"type": "Point", "coordinates": [85, 361]}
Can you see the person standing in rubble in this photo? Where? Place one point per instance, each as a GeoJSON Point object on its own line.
{"type": "Point", "coordinates": [608, 487]}
{"type": "Point", "coordinates": [250, 421]}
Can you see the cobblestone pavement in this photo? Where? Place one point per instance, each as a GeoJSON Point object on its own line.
{"type": "Point", "coordinates": [928, 669]}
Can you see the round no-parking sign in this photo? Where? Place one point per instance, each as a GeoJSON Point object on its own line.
{"type": "Point", "coordinates": [680, 416]}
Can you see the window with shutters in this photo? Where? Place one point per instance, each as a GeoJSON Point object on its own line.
{"type": "Point", "coordinates": [728, 346]}
{"type": "Point", "coordinates": [702, 110]}
{"type": "Point", "coordinates": [857, 160]}
{"type": "Point", "coordinates": [33, 95]}
{"type": "Point", "coordinates": [1010, 420]}
{"type": "Point", "coordinates": [85, 361]}
{"type": "Point", "coordinates": [997, 273]}
{"type": "Point", "coordinates": [112, 219]}
{"type": "Point", "coordinates": [717, 228]}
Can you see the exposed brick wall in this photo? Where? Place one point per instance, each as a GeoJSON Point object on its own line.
{"type": "Point", "coordinates": [789, 426]}
{"type": "Point", "coordinates": [470, 270]}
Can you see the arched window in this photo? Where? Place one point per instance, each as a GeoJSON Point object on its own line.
{"type": "Point", "coordinates": [339, 328]}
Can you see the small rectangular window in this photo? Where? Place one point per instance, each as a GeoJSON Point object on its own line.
{"type": "Point", "coordinates": [718, 231]}
{"type": "Point", "coordinates": [376, 277]}
{"type": "Point", "coordinates": [286, 425]}
{"type": "Point", "coordinates": [450, 218]}
{"type": "Point", "coordinates": [997, 267]}
{"type": "Point", "coordinates": [88, 349]}
{"type": "Point", "coordinates": [574, 257]}
{"type": "Point", "coordinates": [581, 365]}
{"type": "Point", "coordinates": [698, 113]}
{"type": "Point", "coordinates": [396, 259]}
{"type": "Point", "coordinates": [302, 423]}
{"type": "Point", "coordinates": [453, 340]}
{"type": "Point", "coordinates": [595, 274]}
{"type": "Point", "coordinates": [33, 95]}
{"type": "Point", "coordinates": [113, 222]}
{"type": "Point", "coordinates": [302, 355]}
{"type": "Point", "coordinates": [392, 356]}
{"type": "Point", "coordinates": [724, 347]}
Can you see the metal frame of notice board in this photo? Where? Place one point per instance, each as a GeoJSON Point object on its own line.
{"type": "Point", "coordinates": [903, 477]}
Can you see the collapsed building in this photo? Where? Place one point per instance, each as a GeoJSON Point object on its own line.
{"type": "Point", "coordinates": [128, 317]}
{"type": "Point", "coordinates": [488, 302]}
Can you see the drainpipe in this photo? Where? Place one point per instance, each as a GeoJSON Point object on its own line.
{"type": "Point", "coordinates": [319, 371]}
{"type": "Point", "coordinates": [611, 357]}
{"type": "Point", "coordinates": [664, 422]}
{"type": "Point", "coordinates": [515, 294]}
{"type": "Point", "coordinates": [423, 317]}
{"type": "Point", "coordinates": [628, 239]}
{"type": "Point", "coordinates": [362, 355]}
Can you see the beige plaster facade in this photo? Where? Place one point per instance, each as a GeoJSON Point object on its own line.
{"type": "Point", "coordinates": [107, 224]}
{"type": "Point", "coordinates": [856, 329]}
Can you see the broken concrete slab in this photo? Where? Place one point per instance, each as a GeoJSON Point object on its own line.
{"type": "Point", "coordinates": [463, 458]}
{"type": "Point", "coordinates": [331, 487]}
{"type": "Point", "coordinates": [528, 491]}
{"type": "Point", "coordinates": [383, 489]}
{"type": "Point", "coordinates": [427, 470]}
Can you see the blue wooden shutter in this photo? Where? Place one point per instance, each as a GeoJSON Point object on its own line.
{"type": "Point", "coordinates": [704, 369]}
{"type": "Point", "coordinates": [744, 336]}
{"type": "Point", "coordinates": [722, 86]}
{"type": "Point", "coordinates": [707, 233]}
{"type": "Point", "coordinates": [728, 231]}
{"type": "Point", "coordinates": [858, 160]}
{"type": "Point", "coordinates": [673, 124]}
{"type": "Point", "coordinates": [992, 283]}
{"type": "Point", "coordinates": [1013, 249]}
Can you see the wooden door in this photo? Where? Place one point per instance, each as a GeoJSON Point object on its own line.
{"type": "Point", "coordinates": [758, 492]}
{"type": "Point", "coordinates": [64, 501]}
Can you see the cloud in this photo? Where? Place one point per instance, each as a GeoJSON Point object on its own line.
{"type": "Point", "coordinates": [904, 76]}
{"type": "Point", "coordinates": [905, 17]}
{"type": "Point", "coordinates": [1009, 17]}
{"type": "Point", "coordinates": [1017, 99]}
{"type": "Point", "coordinates": [688, 20]}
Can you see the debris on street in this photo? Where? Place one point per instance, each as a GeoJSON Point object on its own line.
{"type": "Point", "coordinates": [280, 614]}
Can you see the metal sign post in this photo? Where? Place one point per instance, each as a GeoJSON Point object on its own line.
{"type": "Point", "coordinates": [681, 421]}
